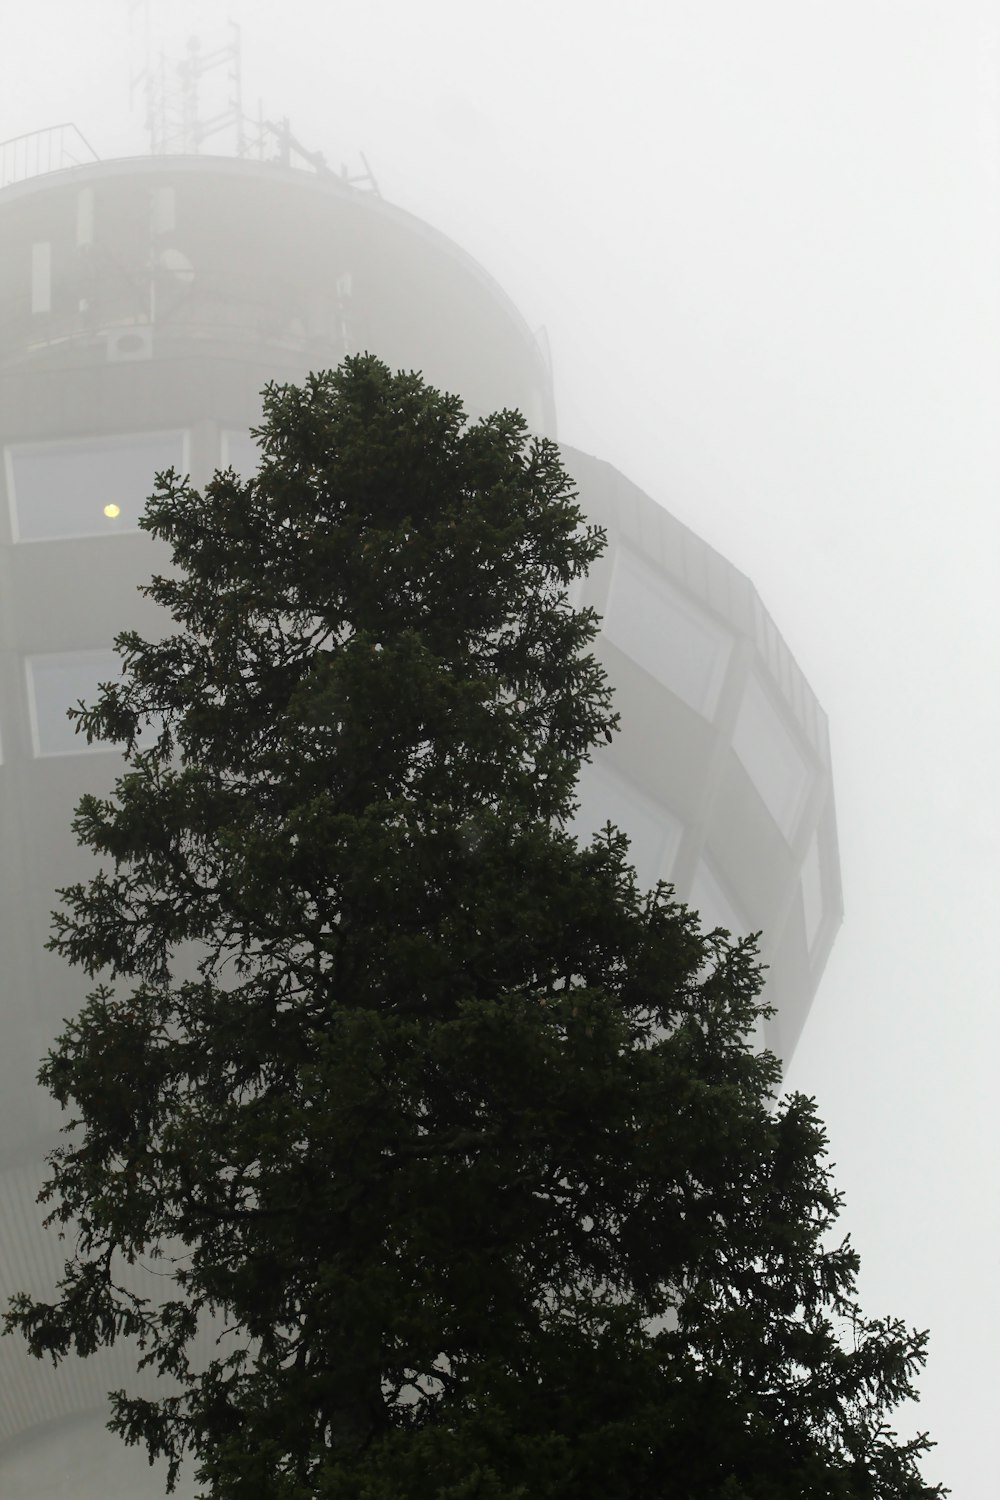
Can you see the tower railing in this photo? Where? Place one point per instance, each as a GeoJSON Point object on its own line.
{"type": "Point", "coordinates": [47, 150]}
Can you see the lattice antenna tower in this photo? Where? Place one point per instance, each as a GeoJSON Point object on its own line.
{"type": "Point", "coordinates": [174, 102]}
{"type": "Point", "coordinates": [175, 99]}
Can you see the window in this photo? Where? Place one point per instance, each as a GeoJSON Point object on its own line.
{"type": "Point", "coordinates": [714, 905]}
{"type": "Point", "coordinates": [88, 488]}
{"type": "Point", "coordinates": [59, 681]}
{"type": "Point", "coordinates": [812, 892]}
{"type": "Point", "coordinates": [666, 633]}
{"type": "Point", "coordinates": [654, 834]}
{"type": "Point", "coordinates": [240, 452]}
{"type": "Point", "coordinates": [771, 758]}
{"type": "Point", "coordinates": [41, 276]}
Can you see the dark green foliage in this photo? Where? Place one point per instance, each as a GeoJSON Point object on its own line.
{"type": "Point", "coordinates": [458, 1133]}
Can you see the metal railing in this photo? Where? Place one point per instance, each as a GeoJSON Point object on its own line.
{"type": "Point", "coordinates": [47, 150]}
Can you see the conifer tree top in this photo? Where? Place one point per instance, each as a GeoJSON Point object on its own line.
{"type": "Point", "coordinates": [451, 1144]}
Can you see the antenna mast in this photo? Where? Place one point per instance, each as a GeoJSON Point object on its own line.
{"type": "Point", "coordinates": [175, 101]}
{"type": "Point", "coordinates": [176, 121]}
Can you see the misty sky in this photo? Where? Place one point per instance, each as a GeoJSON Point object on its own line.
{"type": "Point", "coordinates": [763, 239]}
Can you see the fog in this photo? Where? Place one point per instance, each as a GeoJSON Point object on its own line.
{"type": "Point", "coordinates": [762, 241]}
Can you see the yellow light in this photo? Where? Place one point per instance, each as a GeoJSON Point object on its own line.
{"type": "Point", "coordinates": [112, 510]}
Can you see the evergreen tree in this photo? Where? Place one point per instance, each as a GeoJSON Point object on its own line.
{"type": "Point", "coordinates": [455, 1133]}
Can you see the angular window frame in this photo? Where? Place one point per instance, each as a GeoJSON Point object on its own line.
{"type": "Point", "coordinates": [721, 908]}
{"type": "Point", "coordinates": [635, 584]}
{"type": "Point", "coordinates": [108, 668]}
{"type": "Point", "coordinates": [226, 440]}
{"type": "Point", "coordinates": [81, 447]}
{"type": "Point", "coordinates": [654, 857]}
{"type": "Point", "coordinates": [766, 735]}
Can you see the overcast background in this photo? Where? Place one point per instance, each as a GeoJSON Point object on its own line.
{"type": "Point", "coordinates": [763, 237]}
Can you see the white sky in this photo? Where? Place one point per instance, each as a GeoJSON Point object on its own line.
{"type": "Point", "coordinates": [764, 241]}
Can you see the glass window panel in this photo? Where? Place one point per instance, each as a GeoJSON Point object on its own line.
{"type": "Point", "coordinates": [666, 633]}
{"type": "Point", "coordinates": [59, 681]}
{"type": "Point", "coordinates": [771, 758]}
{"type": "Point", "coordinates": [41, 277]}
{"type": "Point", "coordinates": [812, 891]}
{"type": "Point", "coordinates": [90, 488]}
{"type": "Point", "coordinates": [713, 903]}
{"type": "Point", "coordinates": [654, 833]}
{"type": "Point", "coordinates": [240, 452]}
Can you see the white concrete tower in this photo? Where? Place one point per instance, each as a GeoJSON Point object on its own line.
{"type": "Point", "coordinates": [144, 303]}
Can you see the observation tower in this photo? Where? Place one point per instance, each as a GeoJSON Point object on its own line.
{"type": "Point", "coordinates": [144, 303]}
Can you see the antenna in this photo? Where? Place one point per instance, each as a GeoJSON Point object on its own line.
{"type": "Point", "coordinates": [177, 118]}
{"type": "Point", "coordinates": [138, 11]}
{"type": "Point", "coordinates": [177, 121]}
